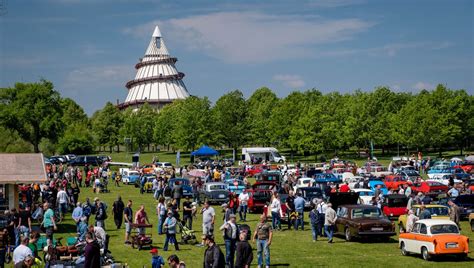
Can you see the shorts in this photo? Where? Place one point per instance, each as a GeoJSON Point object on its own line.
{"type": "Point", "coordinates": [63, 208]}
{"type": "Point", "coordinates": [207, 229]}
{"type": "Point", "coordinates": [128, 228]}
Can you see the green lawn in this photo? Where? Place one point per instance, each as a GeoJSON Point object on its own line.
{"type": "Point", "coordinates": [289, 248]}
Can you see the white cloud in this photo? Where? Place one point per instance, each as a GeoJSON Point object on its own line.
{"type": "Point", "coordinates": [92, 50]}
{"type": "Point", "coordinates": [290, 80]}
{"type": "Point", "coordinates": [95, 77]}
{"type": "Point", "coordinates": [246, 37]}
{"type": "Point", "coordinates": [423, 85]}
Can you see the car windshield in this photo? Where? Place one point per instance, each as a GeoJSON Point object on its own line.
{"type": "Point", "coordinates": [411, 173]}
{"type": "Point", "coordinates": [167, 165]}
{"type": "Point", "coordinates": [235, 183]}
{"type": "Point", "coordinates": [133, 173]}
{"type": "Point", "coordinates": [444, 229]}
{"type": "Point", "coordinates": [438, 211]}
{"type": "Point", "coordinates": [366, 213]}
{"type": "Point", "coordinates": [217, 187]}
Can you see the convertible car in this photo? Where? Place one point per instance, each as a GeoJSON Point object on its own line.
{"type": "Point", "coordinates": [433, 238]}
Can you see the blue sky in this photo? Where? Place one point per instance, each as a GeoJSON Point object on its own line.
{"type": "Point", "coordinates": [88, 48]}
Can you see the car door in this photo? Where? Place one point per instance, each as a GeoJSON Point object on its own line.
{"type": "Point", "coordinates": [423, 239]}
{"type": "Point", "coordinates": [411, 244]}
{"type": "Point", "coordinates": [341, 219]}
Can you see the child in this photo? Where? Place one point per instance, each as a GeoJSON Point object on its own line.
{"type": "Point", "coordinates": [156, 260]}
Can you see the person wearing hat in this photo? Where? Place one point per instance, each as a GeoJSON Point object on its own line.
{"type": "Point", "coordinates": [213, 256]}
{"type": "Point", "coordinates": [156, 260]}
{"type": "Point", "coordinates": [230, 232]}
{"type": "Point", "coordinates": [170, 230]}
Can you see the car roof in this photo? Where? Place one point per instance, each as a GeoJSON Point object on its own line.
{"type": "Point", "coordinates": [431, 222]}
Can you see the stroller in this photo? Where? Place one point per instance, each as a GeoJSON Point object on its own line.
{"type": "Point", "coordinates": [187, 235]}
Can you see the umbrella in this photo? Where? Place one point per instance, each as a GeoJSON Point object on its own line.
{"type": "Point", "coordinates": [456, 159]}
{"type": "Point", "coordinates": [470, 158]}
{"type": "Point", "coordinates": [196, 173]}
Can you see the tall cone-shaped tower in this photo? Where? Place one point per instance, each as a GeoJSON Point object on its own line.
{"type": "Point", "coordinates": [157, 81]}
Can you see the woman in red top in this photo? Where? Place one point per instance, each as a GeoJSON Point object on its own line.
{"type": "Point", "coordinates": [141, 219]}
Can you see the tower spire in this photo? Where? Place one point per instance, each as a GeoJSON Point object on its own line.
{"type": "Point", "coordinates": [157, 81]}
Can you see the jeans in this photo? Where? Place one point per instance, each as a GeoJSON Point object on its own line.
{"type": "Point", "coordinates": [188, 221]}
{"type": "Point", "coordinates": [329, 229]}
{"type": "Point", "coordinates": [161, 220]}
{"type": "Point", "coordinates": [17, 236]}
{"type": "Point", "coordinates": [315, 230]}
{"type": "Point", "coordinates": [262, 246]}
{"type": "Point", "coordinates": [322, 218]}
{"type": "Point", "coordinates": [243, 209]}
{"type": "Point", "coordinates": [170, 238]}
{"type": "Point", "coordinates": [300, 220]}
{"type": "Point", "coordinates": [100, 223]}
{"type": "Point", "coordinates": [229, 252]}
{"type": "Point", "coordinates": [276, 220]}
{"type": "Point", "coordinates": [2, 257]}
{"type": "Point", "coordinates": [196, 197]}
{"type": "Point", "coordinates": [24, 231]}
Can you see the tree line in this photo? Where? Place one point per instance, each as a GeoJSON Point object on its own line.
{"type": "Point", "coordinates": [34, 117]}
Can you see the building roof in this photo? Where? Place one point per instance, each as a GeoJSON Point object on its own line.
{"type": "Point", "coordinates": [157, 81]}
{"type": "Point", "coordinates": [22, 168]}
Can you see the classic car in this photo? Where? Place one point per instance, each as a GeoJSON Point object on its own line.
{"type": "Point", "coordinates": [130, 176]}
{"type": "Point", "coordinates": [465, 203]}
{"type": "Point", "coordinates": [148, 183]}
{"type": "Point", "coordinates": [440, 212]}
{"type": "Point", "coordinates": [187, 188]}
{"type": "Point", "coordinates": [310, 194]}
{"type": "Point", "coordinates": [380, 171]}
{"type": "Point", "coordinates": [235, 185]}
{"type": "Point", "coordinates": [467, 166]}
{"type": "Point", "coordinates": [394, 205]}
{"type": "Point", "coordinates": [430, 188]}
{"type": "Point", "coordinates": [214, 192]}
{"type": "Point", "coordinates": [411, 175]}
{"type": "Point", "coordinates": [363, 221]}
{"type": "Point", "coordinates": [270, 176]}
{"type": "Point", "coordinates": [148, 169]}
{"type": "Point", "coordinates": [85, 160]}
{"type": "Point", "coordinates": [260, 194]}
{"type": "Point", "coordinates": [394, 181]}
{"type": "Point", "coordinates": [365, 196]}
{"type": "Point", "coordinates": [457, 173]}
{"type": "Point", "coordinates": [254, 170]}
{"type": "Point", "coordinates": [354, 180]}
{"type": "Point", "coordinates": [326, 178]}
{"type": "Point", "coordinates": [434, 238]}
{"type": "Point", "coordinates": [303, 182]}
{"type": "Point", "coordinates": [163, 165]}
{"type": "Point", "coordinates": [373, 186]}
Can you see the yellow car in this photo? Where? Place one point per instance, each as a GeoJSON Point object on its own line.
{"type": "Point", "coordinates": [437, 212]}
{"type": "Point", "coordinates": [471, 221]}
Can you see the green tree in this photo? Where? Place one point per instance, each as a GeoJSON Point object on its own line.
{"type": "Point", "coordinates": [72, 112]}
{"type": "Point", "coordinates": [192, 126]}
{"type": "Point", "coordinates": [230, 119]}
{"type": "Point", "coordinates": [33, 110]}
{"type": "Point", "coordinates": [106, 124]}
{"type": "Point", "coordinates": [77, 139]}
{"type": "Point", "coordinates": [260, 108]}
{"type": "Point", "coordinates": [165, 125]}
{"type": "Point", "coordinates": [138, 125]}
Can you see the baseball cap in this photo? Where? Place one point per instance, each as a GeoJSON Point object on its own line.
{"type": "Point", "coordinates": [154, 251]}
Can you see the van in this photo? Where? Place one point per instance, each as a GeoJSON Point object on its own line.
{"type": "Point", "coordinates": [256, 155]}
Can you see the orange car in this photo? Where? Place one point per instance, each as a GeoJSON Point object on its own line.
{"type": "Point", "coordinates": [148, 169]}
{"type": "Point", "coordinates": [393, 181]}
{"type": "Point", "coordinates": [434, 237]}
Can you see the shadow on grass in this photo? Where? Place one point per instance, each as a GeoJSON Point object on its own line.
{"type": "Point", "coordinates": [66, 228]}
{"type": "Point", "coordinates": [441, 259]}
{"type": "Point", "coordinates": [286, 265]}
{"type": "Point", "coordinates": [376, 240]}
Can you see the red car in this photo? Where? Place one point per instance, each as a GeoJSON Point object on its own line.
{"type": "Point", "coordinates": [260, 195]}
{"type": "Point", "coordinates": [394, 181]}
{"type": "Point", "coordinates": [467, 166]}
{"type": "Point", "coordinates": [430, 188]}
{"type": "Point", "coordinates": [254, 170]}
{"type": "Point", "coordinates": [283, 213]}
{"type": "Point", "coordinates": [395, 205]}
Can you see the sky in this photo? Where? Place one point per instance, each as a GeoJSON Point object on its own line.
{"type": "Point", "coordinates": [88, 48]}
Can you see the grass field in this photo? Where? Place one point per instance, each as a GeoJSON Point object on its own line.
{"type": "Point", "coordinates": [289, 248]}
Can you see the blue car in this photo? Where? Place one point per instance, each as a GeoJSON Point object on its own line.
{"type": "Point", "coordinates": [235, 185]}
{"type": "Point", "coordinates": [130, 176]}
{"type": "Point", "coordinates": [326, 178]}
{"type": "Point", "coordinates": [373, 186]}
{"type": "Point", "coordinates": [187, 188]}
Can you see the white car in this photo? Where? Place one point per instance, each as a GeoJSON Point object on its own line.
{"type": "Point", "coordinates": [365, 196]}
{"type": "Point", "coordinates": [130, 176]}
{"type": "Point", "coordinates": [354, 180]}
{"type": "Point", "coordinates": [303, 182]}
{"type": "Point", "coordinates": [444, 179]}
{"type": "Point", "coordinates": [163, 165]}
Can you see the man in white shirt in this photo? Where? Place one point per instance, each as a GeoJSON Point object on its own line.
{"type": "Point", "coordinates": [229, 229]}
{"type": "Point", "coordinates": [63, 200]}
{"type": "Point", "coordinates": [322, 207]}
{"type": "Point", "coordinates": [243, 203]}
{"type": "Point", "coordinates": [22, 251]}
{"type": "Point", "coordinates": [208, 219]}
{"type": "Point", "coordinates": [275, 209]}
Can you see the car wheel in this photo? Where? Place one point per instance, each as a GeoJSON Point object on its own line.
{"type": "Point", "coordinates": [424, 253]}
{"type": "Point", "coordinates": [348, 234]}
{"type": "Point", "coordinates": [403, 249]}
